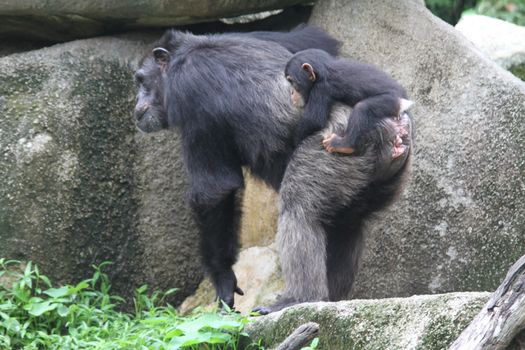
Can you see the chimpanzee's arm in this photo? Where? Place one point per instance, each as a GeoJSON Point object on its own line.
{"type": "Point", "coordinates": [315, 116]}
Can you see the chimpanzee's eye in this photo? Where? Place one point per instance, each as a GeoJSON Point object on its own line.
{"type": "Point", "coordinates": [139, 78]}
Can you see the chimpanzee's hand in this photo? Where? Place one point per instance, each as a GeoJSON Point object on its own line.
{"type": "Point", "coordinates": [226, 286]}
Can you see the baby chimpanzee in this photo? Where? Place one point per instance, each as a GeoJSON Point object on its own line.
{"type": "Point", "coordinates": [319, 80]}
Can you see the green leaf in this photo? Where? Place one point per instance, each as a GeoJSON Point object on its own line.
{"type": "Point", "coordinates": [313, 345]}
{"type": "Point", "coordinates": [7, 305]}
{"type": "Point", "coordinates": [38, 309]}
{"type": "Point", "coordinates": [46, 280]}
{"type": "Point", "coordinates": [172, 334]}
{"type": "Point", "coordinates": [142, 289]}
{"type": "Point", "coordinates": [12, 325]}
{"type": "Point", "coordinates": [26, 281]}
{"type": "Point", "coordinates": [27, 271]}
{"type": "Point", "coordinates": [171, 291]}
{"type": "Point", "coordinates": [21, 295]}
{"type": "Point", "coordinates": [63, 310]}
{"type": "Point", "coordinates": [57, 292]}
{"type": "Point", "coordinates": [192, 326]}
{"type": "Point", "coordinates": [220, 338]}
{"type": "Point", "coordinates": [224, 324]}
{"type": "Point", "coordinates": [82, 285]}
{"type": "Point", "coordinates": [188, 340]}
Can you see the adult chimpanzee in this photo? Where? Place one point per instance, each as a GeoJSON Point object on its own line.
{"type": "Point", "coordinates": [228, 97]}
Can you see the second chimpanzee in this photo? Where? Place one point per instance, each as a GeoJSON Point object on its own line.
{"type": "Point", "coordinates": [319, 80]}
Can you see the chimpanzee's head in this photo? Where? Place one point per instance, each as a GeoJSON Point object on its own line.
{"type": "Point", "coordinates": [150, 110]}
{"type": "Point", "coordinates": [152, 79]}
{"type": "Point", "coordinates": [303, 70]}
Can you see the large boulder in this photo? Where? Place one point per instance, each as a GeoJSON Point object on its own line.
{"type": "Point", "coordinates": [78, 183]}
{"type": "Point", "coordinates": [502, 41]}
{"type": "Point", "coordinates": [61, 20]}
{"type": "Point", "coordinates": [460, 223]}
{"type": "Point", "coordinates": [430, 322]}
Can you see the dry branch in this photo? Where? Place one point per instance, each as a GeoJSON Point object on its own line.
{"type": "Point", "coordinates": [300, 337]}
{"type": "Point", "coordinates": [502, 318]}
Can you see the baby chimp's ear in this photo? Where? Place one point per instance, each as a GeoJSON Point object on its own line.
{"type": "Point", "coordinates": [311, 74]}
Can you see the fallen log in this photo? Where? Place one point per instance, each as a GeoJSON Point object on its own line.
{"type": "Point", "coordinates": [300, 337]}
{"type": "Point", "coordinates": [501, 319]}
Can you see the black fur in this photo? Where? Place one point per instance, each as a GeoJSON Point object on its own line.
{"type": "Point", "coordinates": [227, 96]}
{"type": "Point", "coordinates": [224, 124]}
{"type": "Point", "coordinates": [300, 37]}
{"type": "Point", "coordinates": [373, 94]}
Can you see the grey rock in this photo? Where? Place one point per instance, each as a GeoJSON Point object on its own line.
{"type": "Point", "coordinates": [459, 225]}
{"type": "Point", "coordinates": [61, 20]}
{"type": "Point", "coordinates": [420, 322]}
{"type": "Point", "coordinates": [502, 41]}
{"type": "Point", "coordinates": [78, 183]}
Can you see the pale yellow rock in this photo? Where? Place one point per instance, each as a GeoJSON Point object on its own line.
{"type": "Point", "coordinates": [258, 275]}
{"type": "Point", "coordinates": [259, 219]}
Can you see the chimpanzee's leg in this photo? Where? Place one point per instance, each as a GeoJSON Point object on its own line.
{"type": "Point", "coordinates": [215, 179]}
{"type": "Point", "coordinates": [346, 230]}
{"type": "Point", "coordinates": [363, 119]}
{"type": "Point", "coordinates": [344, 247]}
{"type": "Point", "coordinates": [302, 250]}
{"type": "Point", "coordinates": [315, 187]}
{"type": "Point", "coordinates": [219, 243]}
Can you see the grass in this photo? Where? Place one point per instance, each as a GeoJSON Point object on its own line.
{"type": "Point", "coordinates": [36, 315]}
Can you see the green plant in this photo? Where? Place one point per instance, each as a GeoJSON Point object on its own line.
{"type": "Point", "coordinates": [449, 10]}
{"type": "Point", "coordinates": [313, 345]}
{"type": "Point", "coordinates": [507, 10]}
{"type": "Point", "coordinates": [36, 315]}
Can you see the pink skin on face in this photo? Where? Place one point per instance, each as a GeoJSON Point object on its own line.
{"type": "Point", "coordinates": [295, 97]}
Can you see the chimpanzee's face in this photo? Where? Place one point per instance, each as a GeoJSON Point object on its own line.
{"type": "Point", "coordinates": [297, 98]}
{"type": "Point", "coordinates": [150, 110]}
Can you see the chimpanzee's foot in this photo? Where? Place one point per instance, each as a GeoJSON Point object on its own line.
{"type": "Point", "coordinates": [335, 144]}
{"type": "Point", "coordinates": [399, 149]}
{"type": "Point", "coordinates": [280, 304]}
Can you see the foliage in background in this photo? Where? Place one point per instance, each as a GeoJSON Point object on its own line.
{"type": "Point", "coordinates": [519, 71]}
{"type": "Point", "coordinates": [36, 315]}
{"type": "Point", "coordinates": [451, 10]}
{"type": "Point", "coordinates": [507, 10]}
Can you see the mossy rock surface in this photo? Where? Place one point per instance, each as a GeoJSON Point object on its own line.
{"type": "Point", "coordinates": [430, 322]}
{"type": "Point", "coordinates": [78, 183]}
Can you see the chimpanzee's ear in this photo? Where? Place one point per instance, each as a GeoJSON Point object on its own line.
{"type": "Point", "coordinates": [311, 74]}
{"type": "Point", "coordinates": [162, 56]}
